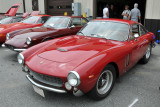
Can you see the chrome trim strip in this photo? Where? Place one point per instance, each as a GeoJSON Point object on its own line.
{"type": "Point", "coordinates": [19, 50]}
{"type": "Point", "coordinates": [45, 87]}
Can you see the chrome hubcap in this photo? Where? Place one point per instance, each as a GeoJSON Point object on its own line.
{"type": "Point", "coordinates": [104, 82]}
{"type": "Point", "coordinates": [148, 52]}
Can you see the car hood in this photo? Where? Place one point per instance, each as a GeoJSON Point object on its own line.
{"type": "Point", "coordinates": [5, 27]}
{"type": "Point", "coordinates": [36, 32]}
{"type": "Point", "coordinates": [75, 48]}
{"type": "Point", "coordinates": [67, 53]}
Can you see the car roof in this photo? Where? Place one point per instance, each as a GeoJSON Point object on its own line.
{"type": "Point", "coordinates": [130, 22]}
{"type": "Point", "coordinates": [41, 15]}
{"type": "Point", "coordinates": [70, 16]}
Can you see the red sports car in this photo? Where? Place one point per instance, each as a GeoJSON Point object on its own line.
{"type": "Point", "coordinates": [90, 61]}
{"type": "Point", "coordinates": [55, 27]}
{"type": "Point", "coordinates": [12, 11]}
{"type": "Point", "coordinates": [32, 21]}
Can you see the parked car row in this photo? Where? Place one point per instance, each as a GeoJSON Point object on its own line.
{"type": "Point", "coordinates": [69, 54]}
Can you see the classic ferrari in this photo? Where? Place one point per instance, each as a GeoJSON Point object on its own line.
{"type": "Point", "coordinates": [32, 21]}
{"type": "Point", "coordinates": [90, 61]}
{"type": "Point", "coordinates": [13, 19]}
{"type": "Point", "coordinates": [56, 26]}
{"type": "Point", "coordinates": [12, 11]}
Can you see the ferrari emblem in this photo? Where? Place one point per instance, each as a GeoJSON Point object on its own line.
{"type": "Point", "coordinates": [41, 62]}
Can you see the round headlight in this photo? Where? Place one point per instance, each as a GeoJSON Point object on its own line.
{"type": "Point", "coordinates": [28, 40]}
{"type": "Point", "coordinates": [20, 59]}
{"type": "Point", "coordinates": [7, 36]}
{"type": "Point", "coordinates": [73, 78]}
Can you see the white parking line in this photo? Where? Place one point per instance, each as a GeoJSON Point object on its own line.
{"type": "Point", "coordinates": [133, 103]}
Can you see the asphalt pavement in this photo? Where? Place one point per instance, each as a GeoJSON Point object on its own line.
{"type": "Point", "coordinates": [139, 87]}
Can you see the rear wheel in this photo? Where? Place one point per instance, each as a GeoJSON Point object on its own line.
{"type": "Point", "coordinates": [147, 56]}
{"type": "Point", "coordinates": [104, 83]}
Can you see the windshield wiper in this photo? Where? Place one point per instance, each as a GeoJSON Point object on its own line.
{"type": "Point", "coordinates": [49, 26]}
{"type": "Point", "coordinates": [99, 36]}
{"type": "Point", "coordinates": [81, 33]}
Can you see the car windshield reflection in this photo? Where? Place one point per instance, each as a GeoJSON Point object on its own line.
{"type": "Point", "coordinates": [106, 29]}
{"type": "Point", "coordinates": [31, 20]}
{"type": "Point", "coordinates": [57, 22]}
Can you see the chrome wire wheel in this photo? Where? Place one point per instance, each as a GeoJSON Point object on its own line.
{"type": "Point", "coordinates": [104, 82]}
{"type": "Point", "coordinates": [148, 52]}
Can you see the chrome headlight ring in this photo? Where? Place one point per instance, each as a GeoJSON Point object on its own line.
{"type": "Point", "coordinates": [28, 41]}
{"type": "Point", "coordinates": [73, 78]}
{"type": "Point", "coordinates": [7, 36]}
{"type": "Point", "coordinates": [20, 58]}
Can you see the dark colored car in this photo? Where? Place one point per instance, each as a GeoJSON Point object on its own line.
{"type": "Point", "coordinates": [55, 27]}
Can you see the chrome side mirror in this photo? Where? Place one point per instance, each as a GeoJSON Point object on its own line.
{"type": "Point", "coordinates": [72, 27]}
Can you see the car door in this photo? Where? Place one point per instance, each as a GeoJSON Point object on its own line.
{"type": "Point", "coordinates": [145, 39]}
{"type": "Point", "coordinates": [135, 45]}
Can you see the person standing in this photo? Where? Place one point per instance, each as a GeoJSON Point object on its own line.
{"type": "Point", "coordinates": [126, 12]}
{"type": "Point", "coordinates": [112, 12]}
{"type": "Point", "coordinates": [106, 12]}
{"type": "Point", "coordinates": [135, 14]}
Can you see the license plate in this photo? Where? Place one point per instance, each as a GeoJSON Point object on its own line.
{"type": "Point", "coordinates": [39, 91]}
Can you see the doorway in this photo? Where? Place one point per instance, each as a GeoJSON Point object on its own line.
{"type": "Point", "coordinates": [58, 7]}
{"type": "Point", "coordinates": [119, 7]}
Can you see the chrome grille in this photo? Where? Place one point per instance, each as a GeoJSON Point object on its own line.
{"type": "Point", "coordinates": [10, 47]}
{"type": "Point", "coordinates": [50, 80]}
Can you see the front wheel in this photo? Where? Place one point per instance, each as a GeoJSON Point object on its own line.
{"type": "Point", "coordinates": [104, 83]}
{"type": "Point", "coordinates": [147, 56]}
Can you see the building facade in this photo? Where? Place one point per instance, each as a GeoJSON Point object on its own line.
{"type": "Point", "coordinates": [149, 8]}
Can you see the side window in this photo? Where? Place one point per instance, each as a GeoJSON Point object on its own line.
{"type": "Point", "coordinates": [76, 21]}
{"type": "Point", "coordinates": [44, 19]}
{"type": "Point", "coordinates": [135, 30]}
{"type": "Point", "coordinates": [142, 30]}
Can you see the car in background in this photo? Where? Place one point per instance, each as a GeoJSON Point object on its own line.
{"type": "Point", "coordinates": [11, 12]}
{"type": "Point", "coordinates": [13, 19]}
{"type": "Point", "coordinates": [30, 22]}
{"type": "Point", "coordinates": [90, 61]}
{"type": "Point", "coordinates": [56, 26]}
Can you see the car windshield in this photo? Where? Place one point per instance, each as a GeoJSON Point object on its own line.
{"type": "Point", "coordinates": [31, 20]}
{"type": "Point", "coordinates": [106, 29]}
{"type": "Point", "coordinates": [5, 20]}
{"type": "Point", "coordinates": [57, 22]}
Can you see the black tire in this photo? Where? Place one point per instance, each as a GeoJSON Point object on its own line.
{"type": "Point", "coordinates": [147, 56]}
{"type": "Point", "coordinates": [95, 93]}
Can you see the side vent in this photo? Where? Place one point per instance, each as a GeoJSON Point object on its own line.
{"type": "Point", "coordinates": [127, 58]}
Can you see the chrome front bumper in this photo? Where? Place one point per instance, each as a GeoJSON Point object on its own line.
{"type": "Point", "coordinates": [17, 50]}
{"type": "Point", "coordinates": [45, 87]}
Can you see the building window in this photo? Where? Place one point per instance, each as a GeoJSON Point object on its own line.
{"type": "Point", "coordinates": [35, 5]}
{"type": "Point", "coordinates": [51, 7]}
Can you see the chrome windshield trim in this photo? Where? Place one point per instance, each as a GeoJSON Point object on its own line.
{"type": "Point", "coordinates": [45, 87]}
